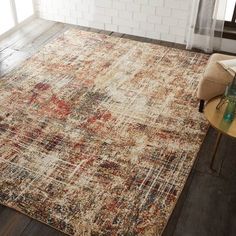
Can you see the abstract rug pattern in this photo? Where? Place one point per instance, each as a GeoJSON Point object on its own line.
{"type": "Point", "coordinates": [98, 134]}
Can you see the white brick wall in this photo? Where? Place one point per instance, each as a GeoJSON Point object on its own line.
{"type": "Point", "coordinates": [157, 19]}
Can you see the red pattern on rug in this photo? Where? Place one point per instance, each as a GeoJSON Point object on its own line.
{"type": "Point", "coordinates": [98, 134]}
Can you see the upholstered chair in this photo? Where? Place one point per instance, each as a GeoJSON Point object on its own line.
{"type": "Point", "coordinates": [214, 80]}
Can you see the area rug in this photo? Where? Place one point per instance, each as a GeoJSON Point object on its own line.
{"type": "Point", "coordinates": [98, 134]}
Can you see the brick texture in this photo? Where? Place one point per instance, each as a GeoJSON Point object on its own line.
{"type": "Point", "coordinates": [156, 19]}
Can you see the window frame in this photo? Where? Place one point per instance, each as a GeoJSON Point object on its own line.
{"type": "Point", "coordinates": [230, 25]}
{"type": "Point", "coordinates": [17, 24]}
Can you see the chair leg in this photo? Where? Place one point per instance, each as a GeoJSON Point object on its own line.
{"type": "Point", "coordinates": [201, 105]}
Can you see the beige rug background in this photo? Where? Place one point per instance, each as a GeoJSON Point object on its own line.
{"type": "Point", "coordinates": [99, 134]}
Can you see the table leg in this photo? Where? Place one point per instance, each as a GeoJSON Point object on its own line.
{"type": "Point", "coordinates": [219, 135]}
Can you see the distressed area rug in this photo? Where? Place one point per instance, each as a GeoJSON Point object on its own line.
{"type": "Point", "coordinates": [98, 134]}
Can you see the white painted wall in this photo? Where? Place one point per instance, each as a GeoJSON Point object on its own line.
{"type": "Point", "coordinates": [157, 19]}
{"type": "Point", "coordinates": [228, 45]}
{"type": "Point", "coordinates": [224, 45]}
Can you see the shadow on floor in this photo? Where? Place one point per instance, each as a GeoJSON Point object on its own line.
{"type": "Point", "coordinates": [207, 206]}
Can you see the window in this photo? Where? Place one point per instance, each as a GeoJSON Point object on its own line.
{"type": "Point", "coordinates": [24, 9]}
{"type": "Point", "coordinates": [14, 12]}
{"type": "Point", "coordinates": [230, 11]}
{"type": "Point", "coordinates": [230, 20]}
{"type": "Point", "coordinates": [6, 17]}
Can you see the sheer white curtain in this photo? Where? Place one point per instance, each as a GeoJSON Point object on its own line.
{"type": "Point", "coordinates": [206, 24]}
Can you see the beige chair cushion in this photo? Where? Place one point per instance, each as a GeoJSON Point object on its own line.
{"type": "Point", "coordinates": [215, 78]}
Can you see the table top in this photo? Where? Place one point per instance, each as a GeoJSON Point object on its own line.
{"type": "Point", "coordinates": [215, 117]}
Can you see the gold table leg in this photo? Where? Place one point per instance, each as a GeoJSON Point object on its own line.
{"type": "Point", "coordinates": [219, 136]}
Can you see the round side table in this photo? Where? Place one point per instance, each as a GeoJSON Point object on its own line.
{"type": "Point", "coordinates": [214, 114]}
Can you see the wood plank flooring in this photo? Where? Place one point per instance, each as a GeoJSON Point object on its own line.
{"type": "Point", "coordinates": [207, 205]}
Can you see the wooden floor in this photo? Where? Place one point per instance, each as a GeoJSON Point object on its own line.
{"type": "Point", "coordinates": [22, 44]}
{"type": "Point", "coordinates": [207, 206]}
